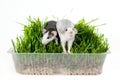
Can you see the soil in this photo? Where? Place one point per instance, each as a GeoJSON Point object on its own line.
{"type": "Point", "coordinates": [65, 71]}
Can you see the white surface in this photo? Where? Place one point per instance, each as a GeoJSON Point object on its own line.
{"type": "Point", "coordinates": [12, 11]}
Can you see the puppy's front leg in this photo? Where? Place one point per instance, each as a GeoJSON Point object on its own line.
{"type": "Point", "coordinates": [70, 42]}
{"type": "Point", "coordinates": [63, 46]}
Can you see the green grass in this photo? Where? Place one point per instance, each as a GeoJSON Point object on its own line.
{"type": "Point", "coordinates": [88, 40]}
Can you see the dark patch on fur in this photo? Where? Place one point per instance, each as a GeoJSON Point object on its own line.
{"type": "Point", "coordinates": [51, 26]}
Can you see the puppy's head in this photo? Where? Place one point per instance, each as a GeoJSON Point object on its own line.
{"type": "Point", "coordinates": [70, 31]}
{"type": "Point", "coordinates": [48, 36]}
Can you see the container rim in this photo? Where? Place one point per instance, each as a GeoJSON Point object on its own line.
{"type": "Point", "coordinates": [11, 51]}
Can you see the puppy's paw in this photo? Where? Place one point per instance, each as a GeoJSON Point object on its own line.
{"type": "Point", "coordinates": [64, 52]}
{"type": "Point", "coordinates": [69, 52]}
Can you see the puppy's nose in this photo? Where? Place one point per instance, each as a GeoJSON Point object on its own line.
{"type": "Point", "coordinates": [71, 32]}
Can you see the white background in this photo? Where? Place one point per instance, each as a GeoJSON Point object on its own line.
{"type": "Point", "coordinates": [13, 11]}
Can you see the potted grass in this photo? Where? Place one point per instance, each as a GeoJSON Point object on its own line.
{"type": "Point", "coordinates": [88, 51]}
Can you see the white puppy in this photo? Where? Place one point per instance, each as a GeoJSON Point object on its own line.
{"type": "Point", "coordinates": [66, 33]}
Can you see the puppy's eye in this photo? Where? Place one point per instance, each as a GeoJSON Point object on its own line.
{"type": "Point", "coordinates": [65, 29]}
{"type": "Point", "coordinates": [48, 37]}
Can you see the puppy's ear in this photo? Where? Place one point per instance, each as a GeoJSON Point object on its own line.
{"type": "Point", "coordinates": [62, 30]}
{"type": "Point", "coordinates": [43, 31]}
{"type": "Point", "coordinates": [54, 33]}
{"type": "Point", "coordinates": [75, 30]}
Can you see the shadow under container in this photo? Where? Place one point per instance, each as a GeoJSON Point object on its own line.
{"type": "Point", "coordinates": [58, 63]}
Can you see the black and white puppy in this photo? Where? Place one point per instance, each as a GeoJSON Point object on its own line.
{"type": "Point", "coordinates": [50, 33]}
